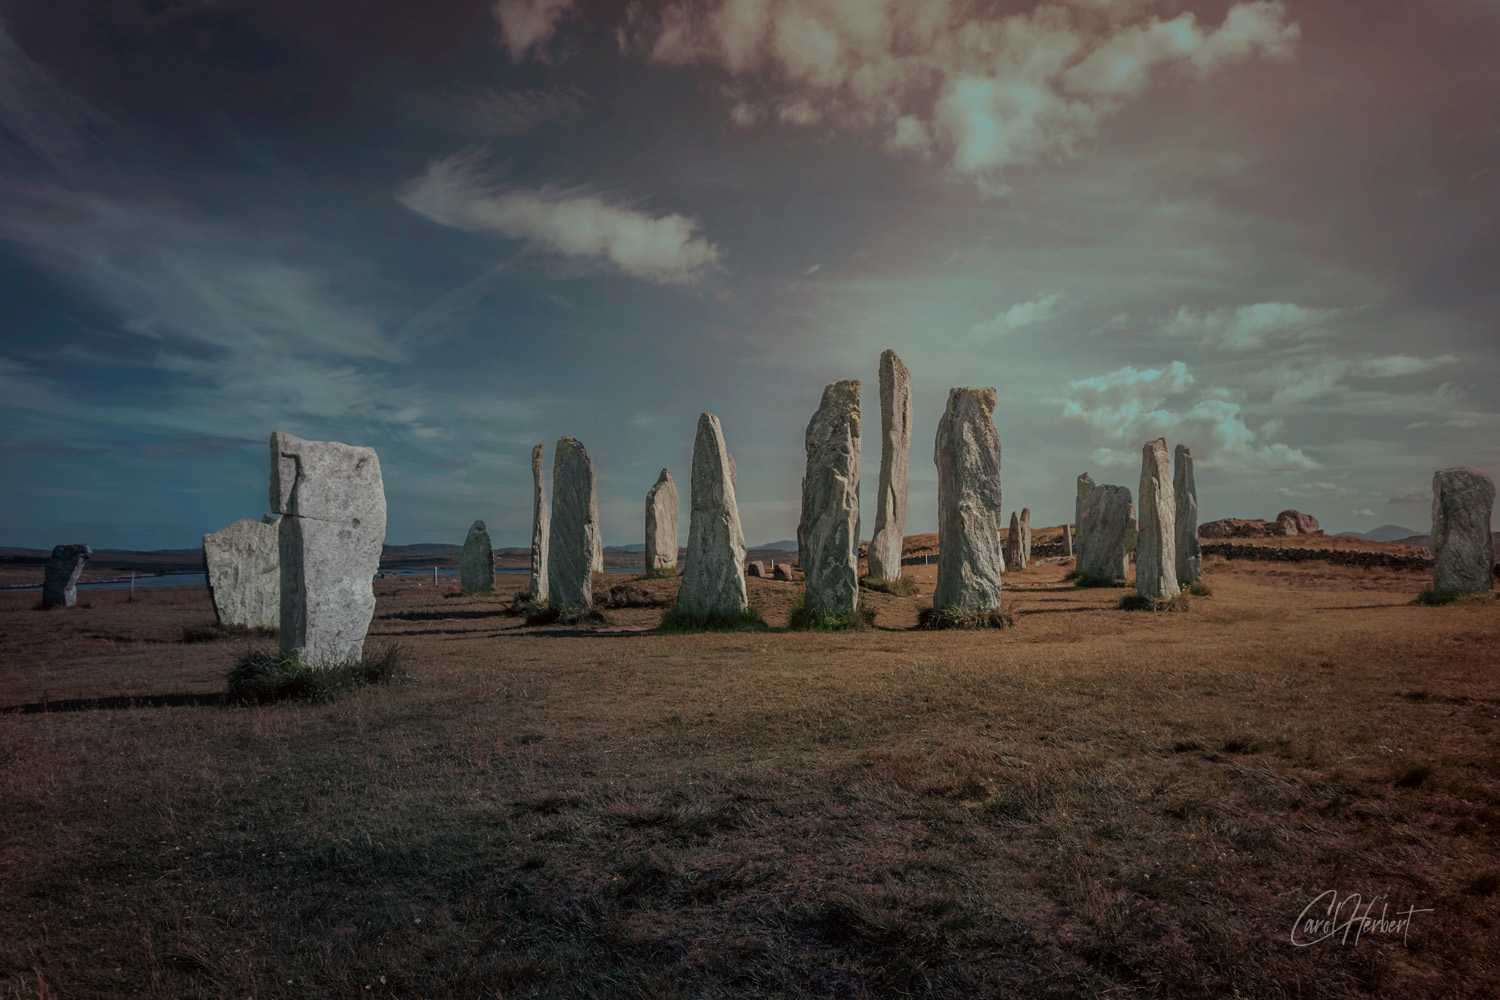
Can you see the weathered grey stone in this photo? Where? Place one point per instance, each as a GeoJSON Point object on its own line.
{"type": "Point", "coordinates": [1106, 533]}
{"type": "Point", "coordinates": [967, 454]}
{"type": "Point", "coordinates": [783, 571]}
{"type": "Point", "coordinates": [476, 565]}
{"type": "Point", "coordinates": [662, 506]}
{"type": "Point", "coordinates": [1156, 542]}
{"type": "Point", "coordinates": [1067, 540]}
{"type": "Point", "coordinates": [1294, 522]}
{"type": "Point", "coordinates": [756, 569]}
{"type": "Point", "coordinates": [884, 553]}
{"type": "Point", "coordinates": [1012, 555]}
{"type": "Point", "coordinates": [243, 566]}
{"type": "Point", "coordinates": [1185, 500]}
{"type": "Point", "coordinates": [830, 501]}
{"type": "Point", "coordinates": [713, 577]}
{"type": "Point", "coordinates": [60, 575]}
{"type": "Point", "coordinates": [1085, 484]}
{"type": "Point", "coordinates": [574, 533]}
{"type": "Point", "coordinates": [332, 501]}
{"type": "Point", "coordinates": [541, 527]}
{"type": "Point", "coordinates": [1025, 537]}
{"type": "Point", "coordinates": [1463, 501]}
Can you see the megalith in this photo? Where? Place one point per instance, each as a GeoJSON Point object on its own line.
{"type": "Point", "coordinates": [1085, 484]}
{"type": "Point", "coordinates": [967, 454]}
{"type": "Point", "coordinates": [895, 462]}
{"type": "Point", "coordinates": [1185, 503]}
{"type": "Point", "coordinates": [830, 501]}
{"type": "Point", "coordinates": [1025, 537]}
{"type": "Point", "coordinates": [541, 527]}
{"type": "Point", "coordinates": [332, 504]}
{"type": "Point", "coordinates": [60, 575]}
{"type": "Point", "coordinates": [662, 506]}
{"type": "Point", "coordinates": [243, 565]}
{"type": "Point", "coordinates": [1067, 541]}
{"type": "Point", "coordinates": [1156, 542]}
{"type": "Point", "coordinates": [713, 576]}
{"type": "Point", "coordinates": [574, 530]}
{"type": "Point", "coordinates": [1463, 551]}
{"type": "Point", "coordinates": [476, 565]}
{"type": "Point", "coordinates": [1106, 533]}
{"type": "Point", "coordinates": [1013, 556]}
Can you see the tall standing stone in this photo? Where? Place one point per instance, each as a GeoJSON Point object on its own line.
{"type": "Point", "coordinates": [895, 462]}
{"type": "Point", "coordinates": [830, 501]}
{"type": "Point", "coordinates": [1014, 557]}
{"type": "Point", "coordinates": [60, 575]}
{"type": "Point", "coordinates": [243, 565]}
{"type": "Point", "coordinates": [1185, 501]}
{"type": "Point", "coordinates": [1106, 533]}
{"type": "Point", "coordinates": [332, 501]}
{"type": "Point", "coordinates": [574, 529]}
{"type": "Point", "coordinates": [713, 576]}
{"type": "Point", "coordinates": [967, 454]}
{"type": "Point", "coordinates": [476, 565]}
{"type": "Point", "coordinates": [1025, 537]}
{"type": "Point", "coordinates": [662, 505]}
{"type": "Point", "coordinates": [1156, 542]}
{"type": "Point", "coordinates": [1463, 551]}
{"type": "Point", "coordinates": [541, 522]}
{"type": "Point", "coordinates": [1085, 484]}
{"type": "Point", "coordinates": [1067, 540]}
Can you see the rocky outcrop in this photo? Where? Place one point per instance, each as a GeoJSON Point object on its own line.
{"type": "Point", "coordinates": [662, 506]}
{"type": "Point", "coordinates": [967, 454]}
{"type": "Point", "coordinates": [713, 578]}
{"type": "Point", "coordinates": [574, 534]}
{"type": "Point", "coordinates": [1294, 522]}
{"type": "Point", "coordinates": [243, 565]}
{"type": "Point", "coordinates": [1185, 501]}
{"type": "Point", "coordinates": [476, 564]}
{"type": "Point", "coordinates": [60, 575]}
{"type": "Point", "coordinates": [541, 528]}
{"type": "Point", "coordinates": [1156, 538]}
{"type": "Point", "coordinates": [1463, 551]}
{"type": "Point", "coordinates": [1288, 522]}
{"type": "Point", "coordinates": [895, 462]}
{"type": "Point", "coordinates": [830, 501]}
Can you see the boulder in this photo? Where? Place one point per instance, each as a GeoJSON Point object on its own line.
{"type": "Point", "coordinates": [476, 565]}
{"type": "Point", "coordinates": [895, 461]}
{"type": "Point", "coordinates": [1294, 522]}
{"type": "Point", "coordinates": [756, 569]}
{"type": "Point", "coordinates": [574, 533]}
{"type": "Point", "coordinates": [967, 454]}
{"type": "Point", "coordinates": [662, 506]}
{"type": "Point", "coordinates": [60, 575]}
{"type": "Point", "coordinates": [1106, 533]}
{"type": "Point", "coordinates": [830, 501]}
{"type": "Point", "coordinates": [1185, 504]}
{"type": "Point", "coordinates": [1156, 542]}
{"type": "Point", "coordinates": [783, 571]}
{"type": "Point", "coordinates": [713, 576]}
{"type": "Point", "coordinates": [541, 527]}
{"type": "Point", "coordinates": [243, 565]}
{"type": "Point", "coordinates": [1463, 550]}
{"type": "Point", "coordinates": [331, 499]}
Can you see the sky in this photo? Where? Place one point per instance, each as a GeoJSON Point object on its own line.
{"type": "Point", "coordinates": [1267, 229]}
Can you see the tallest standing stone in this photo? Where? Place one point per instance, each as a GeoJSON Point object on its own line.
{"type": "Point", "coordinates": [1156, 543]}
{"type": "Point", "coordinates": [830, 501]}
{"type": "Point", "coordinates": [895, 462]}
{"type": "Point", "coordinates": [575, 528]}
{"type": "Point", "coordinates": [968, 462]}
{"type": "Point", "coordinates": [713, 574]}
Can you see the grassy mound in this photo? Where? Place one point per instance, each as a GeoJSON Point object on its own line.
{"type": "Point", "coordinates": [943, 618]}
{"type": "Point", "coordinates": [1135, 602]}
{"type": "Point", "coordinates": [806, 619]}
{"type": "Point", "coordinates": [542, 613]}
{"type": "Point", "coordinates": [218, 630]}
{"type": "Point", "coordinates": [1433, 597]}
{"type": "Point", "coordinates": [660, 573]}
{"type": "Point", "coordinates": [265, 676]}
{"type": "Point", "coordinates": [1200, 589]}
{"type": "Point", "coordinates": [899, 587]}
{"type": "Point", "coordinates": [678, 621]}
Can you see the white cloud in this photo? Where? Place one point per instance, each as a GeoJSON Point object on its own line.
{"type": "Point", "coordinates": [1314, 491]}
{"type": "Point", "coordinates": [660, 249]}
{"type": "Point", "coordinates": [1249, 327]}
{"type": "Point", "coordinates": [1021, 315]}
{"type": "Point", "coordinates": [1306, 380]}
{"type": "Point", "coordinates": [1363, 512]}
{"type": "Point", "coordinates": [1414, 496]}
{"type": "Point", "coordinates": [985, 90]}
{"type": "Point", "coordinates": [1395, 365]}
{"type": "Point", "coordinates": [528, 25]}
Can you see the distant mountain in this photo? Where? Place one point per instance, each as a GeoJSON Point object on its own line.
{"type": "Point", "coordinates": [420, 549]}
{"type": "Point", "coordinates": [1384, 533]}
{"type": "Point", "coordinates": [785, 545]}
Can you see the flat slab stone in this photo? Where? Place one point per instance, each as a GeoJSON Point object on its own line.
{"type": "Point", "coordinates": [884, 553]}
{"type": "Point", "coordinates": [967, 454]}
{"type": "Point", "coordinates": [573, 541]}
{"type": "Point", "coordinates": [60, 575]}
{"type": "Point", "coordinates": [713, 576]}
{"type": "Point", "coordinates": [830, 501]}
{"type": "Point", "coordinates": [243, 565]}
{"type": "Point", "coordinates": [1156, 541]}
{"type": "Point", "coordinates": [476, 564]}
{"type": "Point", "coordinates": [1463, 550]}
{"type": "Point", "coordinates": [1106, 533]}
{"type": "Point", "coordinates": [1185, 500]}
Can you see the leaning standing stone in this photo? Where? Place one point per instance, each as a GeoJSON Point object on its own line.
{"type": "Point", "coordinates": [1463, 550]}
{"type": "Point", "coordinates": [243, 565]}
{"type": "Point", "coordinates": [713, 576]}
{"type": "Point", "coordinates": [476, 566]}
{"type": "Point", "coordinates": [1185, 491]}
{"type": "Point", "coordinates": [1156, 542]}
{"type": "Point", "coordinates": [332, 501]}
{"type": "Point", "coordinates": [61, 573]}
{"type": "Point", "coordinates": [967, 454]}
{"type": "Point", "coordinates": [895, 461]}
{"type": "Point", "coordinates": [540, 527]}
{"type": "Point", "coordinates": [570, 546]}
{"type": "Point", "coordinates": [662, 506]}
{"type": "Point", "coordinates": [830, 501]}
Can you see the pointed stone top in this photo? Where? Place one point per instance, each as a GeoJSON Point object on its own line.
{"type": "Point", "coordinates": [477, 526]}
{"type": "Point", "coordinates": [665, 477]}
{"type": "Point", "coordinates": [841, 401]}
{"type": "Point", "coordinates": [1182, 451]}
{"type": "Point", "coordinates": [536, 456]}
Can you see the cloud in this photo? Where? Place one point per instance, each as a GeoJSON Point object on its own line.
{"type": "Point", "coordinates": [661, 249]}
{"type": "Point", "coordinates": [985, 90]}
{"type": "Point", "coordinates": [1417, 496]}
{"type": "Point", "coordinates": [1249, 327]}
{"type": "Point", "coordinates": [484, 113]}
{"type": "Point", "coordinates": [1395, 365]}
{"type": "Point", "coordinates": [1021, 315]}
{"type": "Point", "coordinates": [527, 25]}
{"type": "Point", "coordinates": [1313, 491]}
{"type": "Point", "coordinates": [1306, 380]}
{"type": "Point", "coordinates": [1363, 512]}
{"type": "Point", "coordinates": [48, 119]}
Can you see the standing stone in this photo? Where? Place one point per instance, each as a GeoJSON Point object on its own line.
{"type": "Point", "coordinates": [1025, 537]}
{"type": "Point", "coordinates": [662, 506]}
{"type": "Point", "coordinates": [895, 461]}
{"type": "Point", "coordinates": [801, 531]}
{"type": "Point", "coordinates": [1156, 542]}
{"type": "Point", "coordinates": [783, 571]}
{"type": "Point", "coordinates": [332, 501]}
{"type": "Point", "coordinates": [1463, 500]}
{"type": "Point", "coordinates": [756, 568]}
{"type": "Point", "coordinates": [61, 573]}
{"type": "Point", "coordinates": [574, 530]}
{"type": "Point", "coordinates": [243, 565]}
{"type": "Point", "coordinates": [1185, 500]}
{"type": "Point", "coordinates": [1106, 533]}
{"type": "Point", "coordinates": [830, 501]}
{"type": "Point", "coordinates": [476, 566]}
{"type": "Point", "coordinates": [1014, 557]}
{"type": "Point", "coordinates": [1085, 484]}
{"type": "Point", "coordinates": [967, 455]}
{"type": "Point", "coordinates": [1067, 540]}
{"type": "Point", "coordinates": [541, 522]}
{"type": "Point", "coordinates": [713, 577]}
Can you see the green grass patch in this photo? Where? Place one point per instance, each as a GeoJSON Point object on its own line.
{"type": "Point", "coordinates": [1135, 602]}
{"type": "Point", "coordinates": [944, 618]}
{"type": "Point", "coordinates": [262, 676]}
{"type": "Point", "coordinates": [1200, 589]}
{"type": "Point", "coordinates": [719, 621]}
{"type": "Point", "coordinates": [806, 619]}
{"type": "Point", "coordinates": [565, 614]}
{"type": "Point", "coordinates": [899, 587]}
{"type": "Point", "coordinates": [218, 630]}
{"type": "Point", "coordinates": [1433, 597]}
{"type": "Point", "coordinates": [660, 573]}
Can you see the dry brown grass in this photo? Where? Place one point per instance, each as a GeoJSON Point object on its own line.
{"type": "Point", "coordinates": [1093, 802]}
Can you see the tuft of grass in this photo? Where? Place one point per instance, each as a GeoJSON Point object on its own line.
{"type": "Point", "coordinates": [901, 586]}
{"type": "Point", "coordinates": [1135, 602]}
{"type": "Point", "coordinates": [1434, 597]}
{"type": "Point", "coordinates": [565, 614]}
{"type": "Point", "coordinates": [807, 619]}
{"type": "Point", "coordinates": [627, 596]}
{"type": "Point", "coordinates": [1200, 589]}
{"type": "Point", "coordinates": [942, 618]}
{"type": "Point", "coordinates": [219, 630]}
{"type": "Point", "coordinates": [264, 676]}
{"type": "Point", "coordinates": [677, 621]}
{"type": "Point", "coordinates": [660, 573]}
{"type": "Point", "coordinates": [521, 604]}
{"type": "Point", "coordinates": [1082, 580]}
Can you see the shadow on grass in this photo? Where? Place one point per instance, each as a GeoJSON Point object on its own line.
{"type": "Point", "coordinates": [438, 616]}
{"type": "Point", "coordinates": [183, 700]}
{"type": "Point", "coordinates": [264, 676]}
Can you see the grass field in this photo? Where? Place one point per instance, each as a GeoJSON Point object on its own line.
{"type": "Point", "coordinates": [1092, 802]}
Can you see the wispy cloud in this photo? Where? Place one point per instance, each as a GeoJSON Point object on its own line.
{"type": "Point", "coordinates": [1020, 316]}
{"type": "Point", "coordinates": [528, 25]}
{"type": "Point", "coordinates": [1249, 327]}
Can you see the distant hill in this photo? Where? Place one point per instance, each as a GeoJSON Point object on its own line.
{"type": "Point", "coordinates": [1384, 533]}
{"type": "Point", "coordinates": [638, 547]}
{"type": "Point", "coordinates": [785, 545]}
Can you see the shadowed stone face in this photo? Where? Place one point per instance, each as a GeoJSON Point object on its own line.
{"type": "Point", "coordinates": [332, 501]}
{"type": "Point", "coordinates": [713, 575]}
{"type": "Point", "coordinates": [1463, 551]}
{"type": "Point", "coordinates": [895, 463]}
{"type": "Point", "coordinates": [1085, 484]}
{"type": "Point", "coordinates": [1185, 501]}
{"type": "Point", "coordinates": [541, 521]}
{"type": "Point", "coordinates": [1156, 542]}
{"type": "Point", "coordinates": [830, 501]}
{"type": "Point", "coordinates": [575, 528]}
{"type": "Point", "coordinates": [60, 575]}
{"type": "Point", "coordinates": [476, 566]}
{"type": "Point", "coordinates": [967, 454]}
{"type": "Point", "coordinates": [662, 506]}
{"type": "Point", "coordinates": [1013, 557]}
{"type": "Point", "coordinates": [243, 566]}
{"type": "Point", "coordinates": [1106, 533]}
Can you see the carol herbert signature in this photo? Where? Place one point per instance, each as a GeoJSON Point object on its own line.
{"type": "Point", "coordinates": [1330, 917]}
